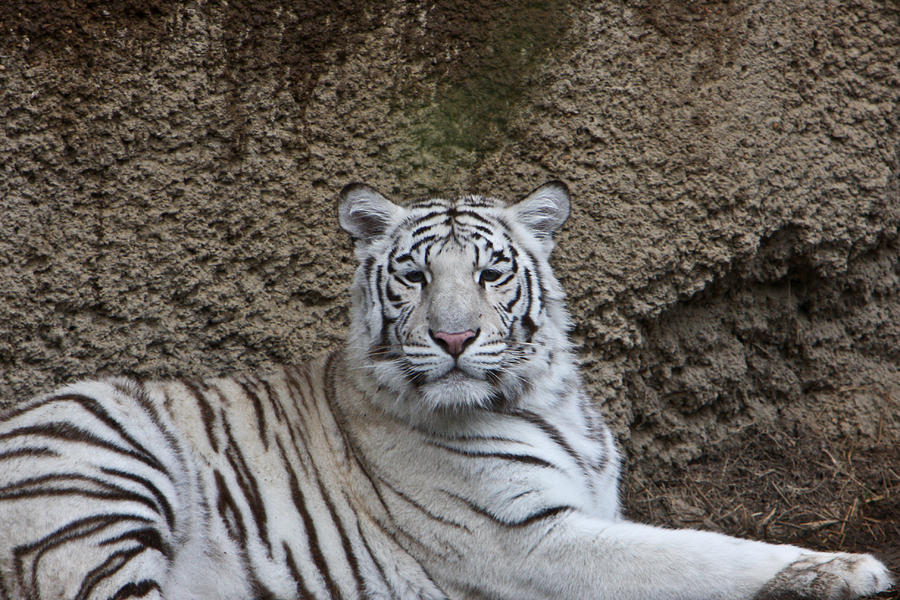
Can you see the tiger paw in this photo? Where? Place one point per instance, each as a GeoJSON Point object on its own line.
{"type": "Point", "coordinates": [828, 576]}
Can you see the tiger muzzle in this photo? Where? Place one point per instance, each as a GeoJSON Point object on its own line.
{"type": "Point", "coordinates": [454, 344]}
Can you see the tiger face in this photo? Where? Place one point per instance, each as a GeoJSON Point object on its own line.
{"type": "Point", "coordinates": [454, 302]}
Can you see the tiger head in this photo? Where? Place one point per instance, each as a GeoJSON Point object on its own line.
{"type": "Point", "coordinates": [455, 306]}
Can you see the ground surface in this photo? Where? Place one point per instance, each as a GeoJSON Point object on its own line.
{"type": "Point", "coordinates": [168, 173]}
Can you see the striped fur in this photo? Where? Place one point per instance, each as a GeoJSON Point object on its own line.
{"type": "Point", "coordinates": [447, 452]}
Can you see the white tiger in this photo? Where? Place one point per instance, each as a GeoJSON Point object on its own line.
{"type": "Point", "coordinates": [449, 451]}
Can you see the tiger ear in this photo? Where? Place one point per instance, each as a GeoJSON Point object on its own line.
{"type": "Point", "coordinates": [545, 209]}
{"type": "Point", "coordinates": [364, 213]}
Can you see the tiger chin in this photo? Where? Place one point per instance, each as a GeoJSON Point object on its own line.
{"type": "Point", "coordinates": [449, 451]}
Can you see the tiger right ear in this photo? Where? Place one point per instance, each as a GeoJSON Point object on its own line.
{"type": "Point", "coordinates": [545, 209]}
{"type": "Point", "coordinates": [364, 213]}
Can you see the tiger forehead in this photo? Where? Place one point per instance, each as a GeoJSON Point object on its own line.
{"type": "Point", "coordinates": [450, 218]}
{"type": "Point", "coordinates": [470, 223]}
{"type": "Point", "coordinates": [468, 200]}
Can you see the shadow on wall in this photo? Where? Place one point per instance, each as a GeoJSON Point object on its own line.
{"type": "Point", "coordinates": [475, 60]}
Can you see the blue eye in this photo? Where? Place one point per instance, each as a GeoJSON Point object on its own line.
{"type": "Point", "coordinates": [489, 275]}
{"type": "Point", "coordinates": [414, 276]}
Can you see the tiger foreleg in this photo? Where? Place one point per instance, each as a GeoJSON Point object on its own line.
{"type": "Point", "coordinates": [578, 557]}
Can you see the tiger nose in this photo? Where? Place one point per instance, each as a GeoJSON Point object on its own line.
{"type": "Point", "coordinates": [453, 343]}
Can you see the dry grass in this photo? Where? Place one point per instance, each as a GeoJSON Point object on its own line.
{"type": "Point", "coordinates": [796, 489]}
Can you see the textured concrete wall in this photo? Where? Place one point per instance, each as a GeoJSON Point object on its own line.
{"type": "Point", "coordinates": [168, 173]}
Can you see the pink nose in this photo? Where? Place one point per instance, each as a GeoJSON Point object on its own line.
{"type": "Point", "coordinates": [453, 343]}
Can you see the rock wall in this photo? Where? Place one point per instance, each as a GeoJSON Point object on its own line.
{"type": "Point", "coordinates": [168, 174]}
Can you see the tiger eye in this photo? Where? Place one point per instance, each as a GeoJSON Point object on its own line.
{"type": "Point", "coordinates": [414, 276]}
{"type": "Point", "coordinates": [490, 275]}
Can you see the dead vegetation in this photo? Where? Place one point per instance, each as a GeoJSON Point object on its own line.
{"type": "Point", "coordinates": [785, 484]}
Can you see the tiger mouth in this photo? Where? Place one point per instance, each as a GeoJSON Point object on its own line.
{"type": "Point", "coordinates": [455, 373]}
{"type": "Point", "coordinates": [458, 374]}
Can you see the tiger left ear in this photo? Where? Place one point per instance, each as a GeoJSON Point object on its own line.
{"type": "Point", "coordinates": [364, 213]}
{"type": "Point", "coordinates": [545, 209]}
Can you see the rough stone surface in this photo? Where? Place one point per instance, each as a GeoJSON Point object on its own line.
{"type": "Point", "coordinates": [168, 174]}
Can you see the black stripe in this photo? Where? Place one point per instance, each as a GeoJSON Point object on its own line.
{"type": "Point", "coordinates": [161, 499]}
{"type": "Point", "coordinates": [136, 590]}
{"type": "Point", "coordinates": [28, 451]}
{"type": "Point", "coordinates": [259, 590]}
{"type": "Point", "coordinates": [465, 235]}
{"type": "Point", "coordinates": [228, 510]}
{"type": "Point", "coordinates": [521, 458]}
{"type": "Point", "coordinates": [434, 214]}
{"type": "Point", "coordinates": [74, 530]}
{"type": "Point", "coordinates": [544, 513]}
{"type": "Point", "coordinates": [420, 230]}
{"type": "Point", "coordinates": [478, 200]}
{"type": "Point", "coordinates": [515, 299]}
{"type": "Point", "coordinates": [368, 263]}
{"type": "Point", "coordinates": [302, 590]}
{"type": "Point", "coordinates": [540, 282]}
{"type": "Point", "coordinates": [352, 559]}
{"type": "Point", "coordinates": [312, 537]}
{"type": "Point", "coordinates": [345, 541]}
{"type": "Point", "coordinates": [148, 537]}
{"type": "Point", "coordinates": [294, 433]}
{"type": "Point", "coordinates": [395, 529]}
{"type": "Point", "coordinates": [257, 409]}
{"type": "Point", "coordinates": [139, 394]}
{"type": "Point", "coordinates": [310, 399]}
{"type": "Point", "coordinates": [553, 433]}
{"type": "Point", "coordinates": [528, 289]}
{"type": "Point", "coordinates": [378, 290]}
{"type": "Point", "coordinates": [394, 298]}
{"type": "Point", "coordinates": [113, 563]}
{"type": "Point", "coordinates": [206, 413]}
{"type": "Point", "coordinates": [299, 399]}
{"type": "Point", "coordinates": [4, 593]}
{"type": "Point", "coordinates": [392, 253]}
{"type": "Point", "coordinates": [506, 280]}
{"type": "Point", "coordinates": [375, 480]}
{"type": "Point", "coordinates": [428, 204]}
{"type": "Point", "coordinates": [375, 560]}
{"type": "Point", "coordinates": [93, 406]}
{"type": "Point", "coordinates": [273, 400]}
{"type": "Point", "coordinates": [370, 287]}
{"type": "Point", "coordinates": [421, 508]}
{"type": "Point", "coordinates": [493, 353]}
{"type": "Point", "coordinates": [405, 313]}
{"type": "Point", "coordinates": [424, 240]}
{"type": "Point", "coordinates": [455, 213]}
{"type": "Point", "coordinates": [484, 438]}
{"type": "Point", "coordinates": [427, 253]}
{"type": "Point", "coordinates": [70, 433]}
{"type": "Point", "coordinates": [248, 486]}
{"type": "Point", "coordinates": [530, 325]}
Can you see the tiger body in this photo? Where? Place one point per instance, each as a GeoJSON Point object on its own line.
{"type": "Point", "coordinates": [448, 451]}
{"type": "Point", "coordinates": [233, 509]}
